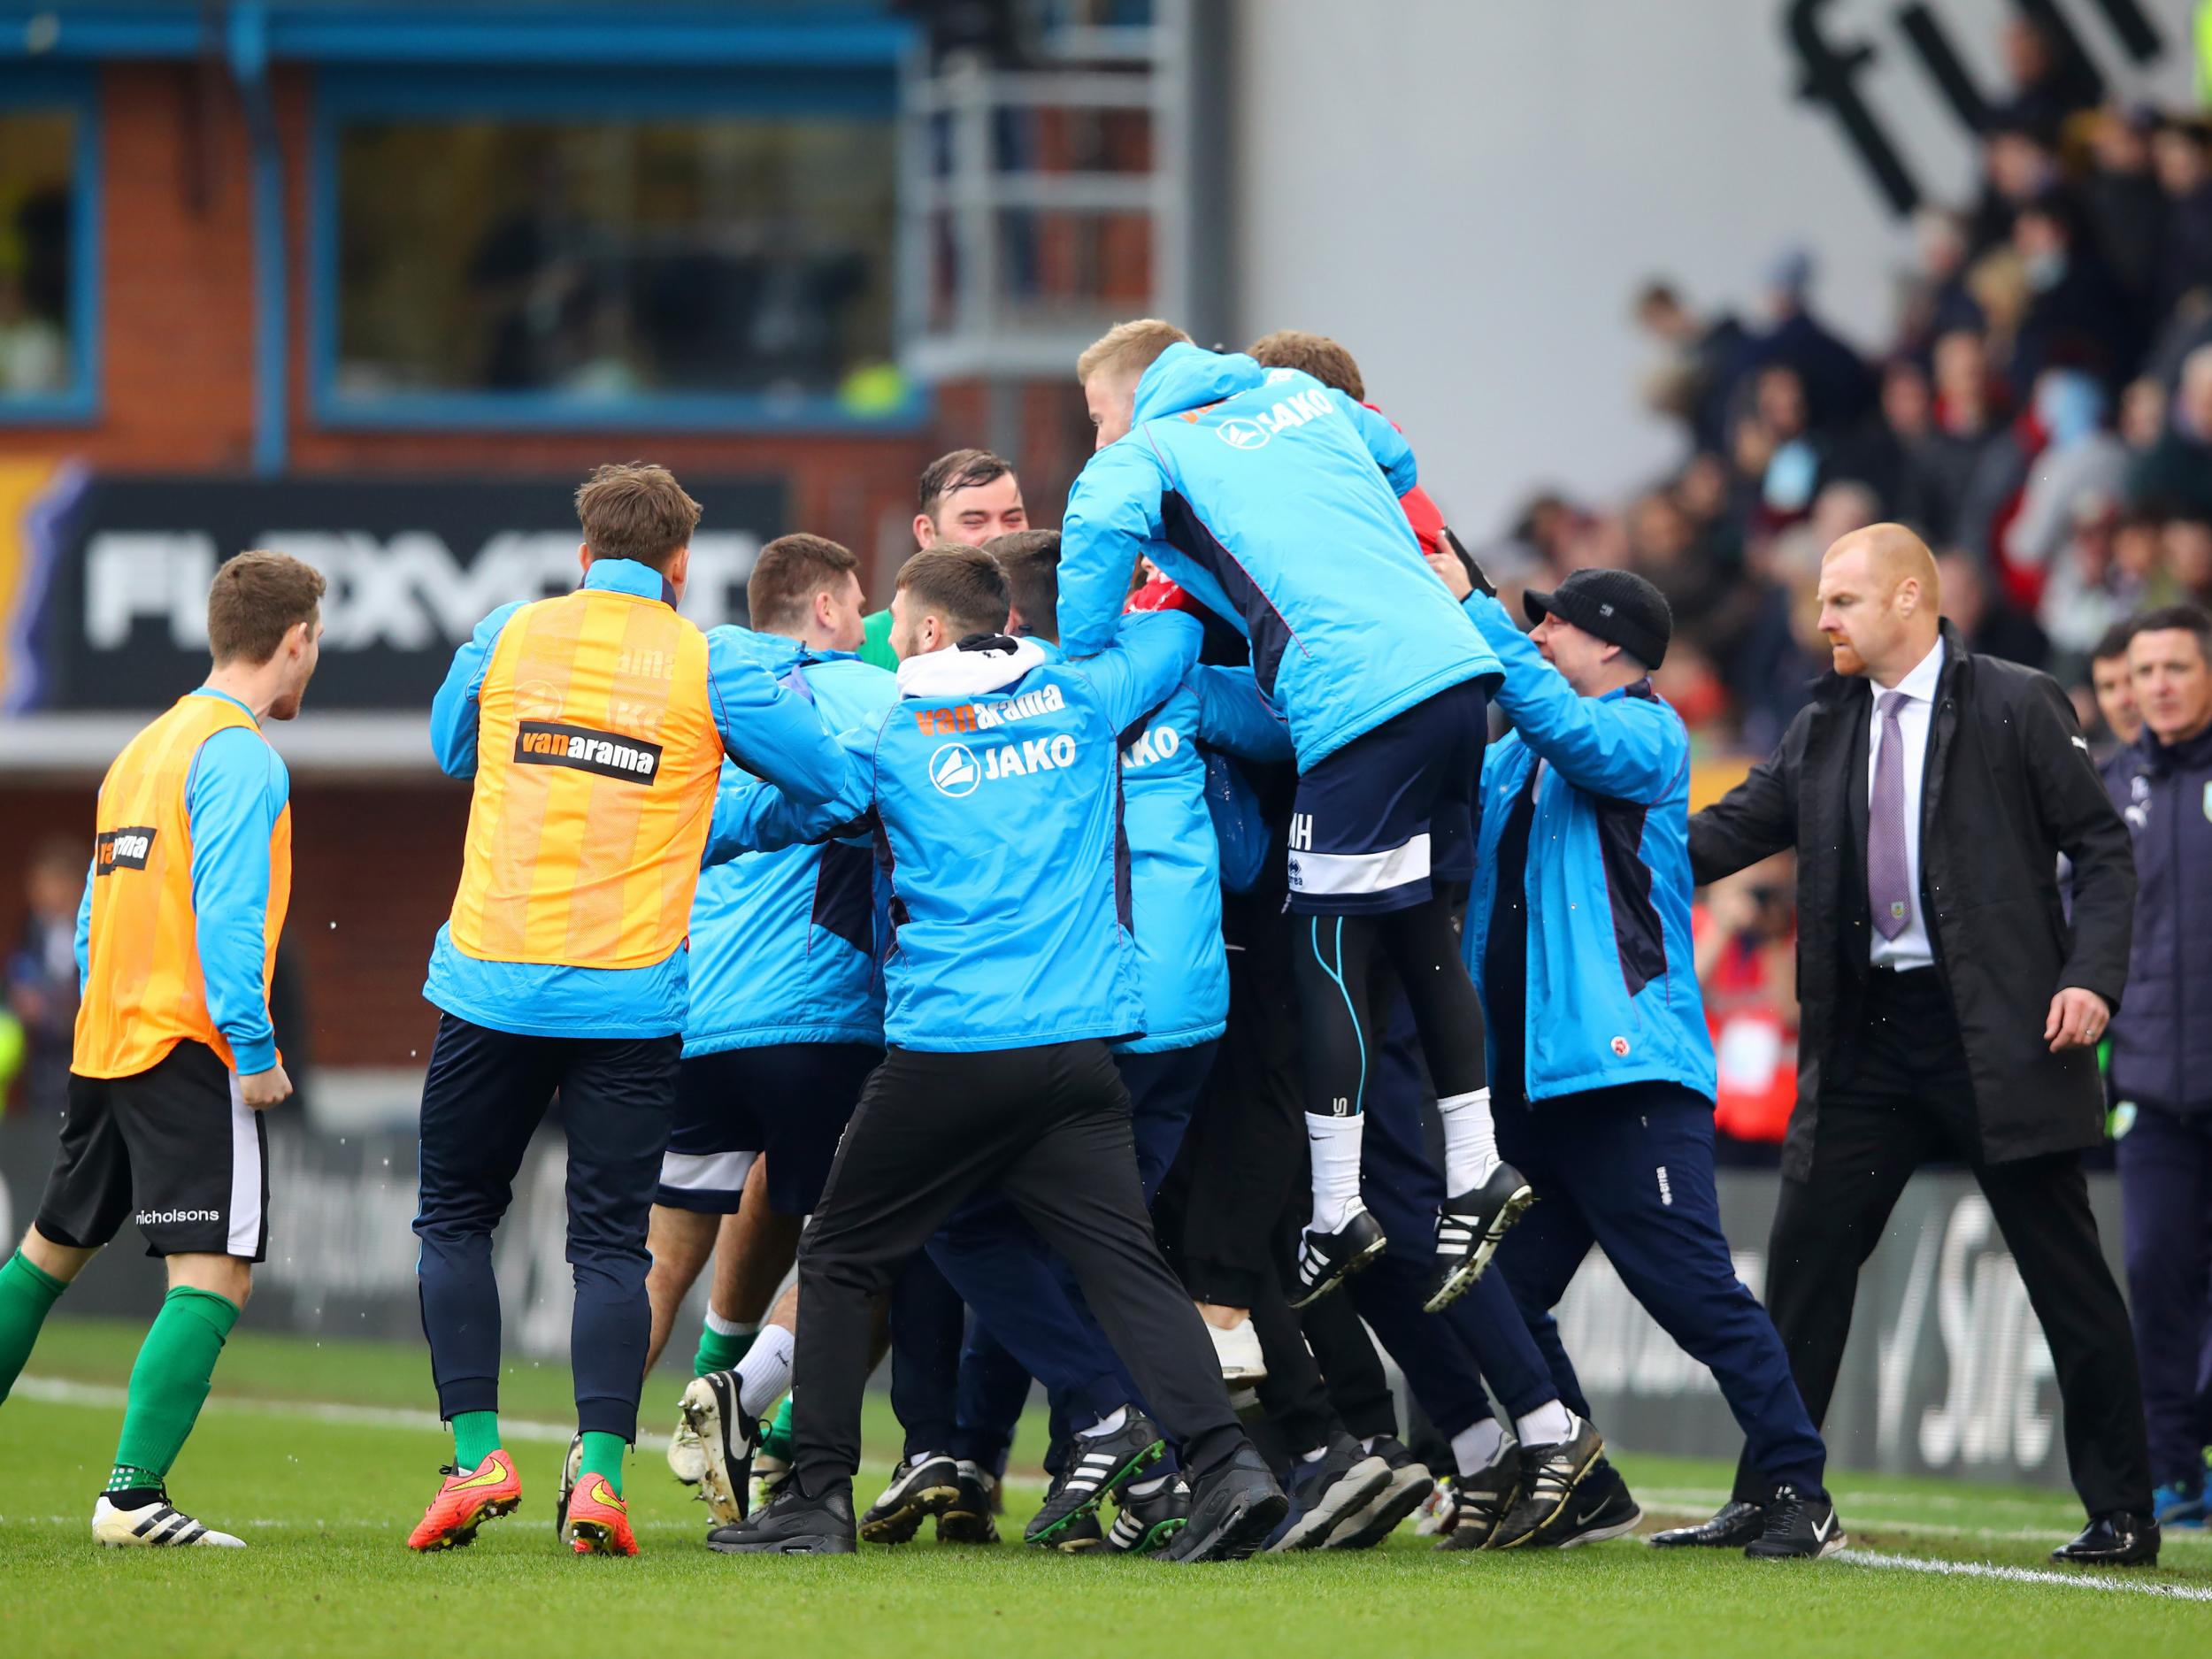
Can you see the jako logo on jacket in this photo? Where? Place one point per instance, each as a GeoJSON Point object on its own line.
{"type": "Point", "coordinates": [1011, 907]}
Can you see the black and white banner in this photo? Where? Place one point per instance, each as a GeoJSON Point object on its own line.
{"type": "Point", "coordinates": [108, 606]}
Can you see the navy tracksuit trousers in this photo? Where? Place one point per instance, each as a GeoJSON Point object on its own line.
{"type": "Point", "coordinates": [1631, 1171]}
{"type": "Point", "coordinates": [2165, 1162]}
{"type": "Point", "coordinates": [484, 1097]}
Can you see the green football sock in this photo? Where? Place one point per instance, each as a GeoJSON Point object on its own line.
{"type": "Point", "coordinates": [169, 1384]}
{"type": "Point", "coordinates": [27, 1291]}
{"type": "Point", "coordinates": [475, 1438]}
{"type": "Point", "coordinates": [602, 1455]}
{"type": "Point", "coordinates": [777, 1442]}
{"type": "Point", "coordinates": [719, 1350]}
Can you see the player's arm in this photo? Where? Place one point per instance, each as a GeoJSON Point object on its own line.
{"type": "Point", "coordinates": [1112, 513]}
{"type": "Point", "coordinates": [1623, 749]}
{"type": "Point", "coordinates": [774, 731]}
{"type": "Point", "coordinates": [752, 816]}
{"type": "Point", "coordinates": [84, 928]}
{"type": "Point", "coordinates": [1235, 716]}
{"type": "Point", "coordinates": [237, 789]}
{"type": "Point", "coordinates": [1383, 442]}
{"type": "Point", "coordinates": [1152, 651]}
{"type": "Point", "coordinates": [453, 711]}
{"type": "Point", "coordinates": [1755, 820]}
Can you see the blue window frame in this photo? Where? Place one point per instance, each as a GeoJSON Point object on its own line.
{"type": "Point", "coordinates": [597, 303]}
{"type": "Point", "coordinates": [50, 247]}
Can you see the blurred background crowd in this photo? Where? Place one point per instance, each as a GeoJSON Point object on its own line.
{"type": "Point", "coordinates": [2041, 412]}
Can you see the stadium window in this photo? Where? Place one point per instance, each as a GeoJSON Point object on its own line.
{"type": "Point", "coordinates": [48, 252]}
{"type": "Point", "coordinates": [595, 266]}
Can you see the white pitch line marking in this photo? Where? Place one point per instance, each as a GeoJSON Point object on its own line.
{"type": "Point", "coordinates": [61, 1392]}
{"type": "Point", "coordinates": [2028, 1575]}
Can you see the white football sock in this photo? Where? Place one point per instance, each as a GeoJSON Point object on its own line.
{"type": "Point", "coordinates": [1473, 1447]}
{"type": "Point", "coordinates": [721, 1326]}
{"type": "Point", "coordinates": [1546, 1426]}
{"type": "Point", "coordinates": [1334, 1143]}
{"type": "Point", "coordinates": [1471, 1142]}
{"type": "Point", "coordinates": [1106, 1424]}
{"type": "Point", "coordinates": [763, 1376]}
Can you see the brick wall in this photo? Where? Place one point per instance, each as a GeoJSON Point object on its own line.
{"type": "Point", "coordinates": [379, 860]}
{"type": "Point", "coordinates": [178, 353]}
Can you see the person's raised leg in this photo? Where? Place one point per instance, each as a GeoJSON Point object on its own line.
{"type": "Point", "coordinates": [1332, 960]}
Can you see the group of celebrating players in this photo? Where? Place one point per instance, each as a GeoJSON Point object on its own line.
{"type": "Point", "coordinates": [1009, 960]}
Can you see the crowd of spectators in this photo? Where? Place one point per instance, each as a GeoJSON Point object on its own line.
{"type": "Point", "coordinates": [2041, 413]}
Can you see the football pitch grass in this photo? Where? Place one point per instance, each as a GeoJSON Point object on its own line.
{"type": "Point", "coordinates": [322, 1455]}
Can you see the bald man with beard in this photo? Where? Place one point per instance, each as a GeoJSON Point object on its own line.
{"type": "Point", "coordinates": [1950, 1008]}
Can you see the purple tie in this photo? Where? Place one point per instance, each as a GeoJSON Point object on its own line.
{"type": "Point", "coordinates": [1888, 882]}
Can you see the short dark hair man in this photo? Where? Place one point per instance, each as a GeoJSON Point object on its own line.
{"type": "Point", "coordinates": [2162, 1046]}
{"type": "Point", "coordinates": [175, 1058]}
{"type": "Point", "coordinates": [1929, 792]}
{"type": "Point", "coordinates": [966, 497]}
{"type": "Point", "coordinates": [2110, 679]}
{"type": "Point", "coordinates": [993, 787]}
{"type": "Point", "coordinates": [806, 587]}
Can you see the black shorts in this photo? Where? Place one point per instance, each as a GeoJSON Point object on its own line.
{"type": "Point", "coordinates": [174, 1148]}
{"type": "Point", "coordinates": [789, 1101]}
{"type": "Point", "coordinates": [1393, 810]}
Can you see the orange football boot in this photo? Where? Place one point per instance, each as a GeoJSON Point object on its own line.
{"type": "Point", "coordinates": [599, 1521]}
{"type": "Point", "coordinates": [466, 1502]}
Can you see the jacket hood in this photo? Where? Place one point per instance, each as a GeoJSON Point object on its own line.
{"type": "Point", "coordinates": [1185, 377]}
{"type": "Point", "coordinates": [960, 672]}
{"type": "Point", "coordinates": [771, 651]}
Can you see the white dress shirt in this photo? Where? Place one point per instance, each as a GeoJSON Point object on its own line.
{"type": "Point", "coordinates": [1910, 948]}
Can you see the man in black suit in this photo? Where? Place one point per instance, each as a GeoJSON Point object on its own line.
{"type": "Point", "coordinates": [1928, 792]}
